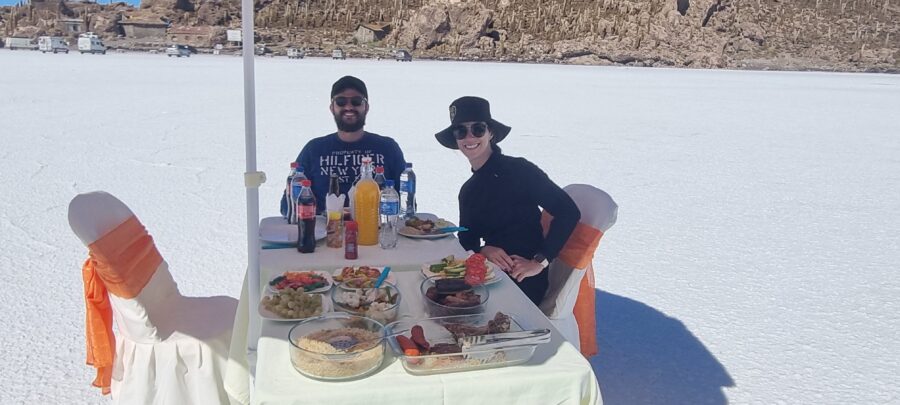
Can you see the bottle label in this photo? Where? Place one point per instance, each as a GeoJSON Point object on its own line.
{"type": "Point", "coordinates": [407, 186]}
{"type": "Point", "coordinates": [306, 211]}
{"type": "Point", "coordinates": [390, 208]}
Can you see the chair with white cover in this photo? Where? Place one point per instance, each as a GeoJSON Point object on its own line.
{"type": "Point", "coordinates": [571, 273]}
{"type": "Point", "coordinates": [168, 348]}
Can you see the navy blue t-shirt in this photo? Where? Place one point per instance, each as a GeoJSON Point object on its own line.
{"type": "Point", "coordinates": [329, 153]}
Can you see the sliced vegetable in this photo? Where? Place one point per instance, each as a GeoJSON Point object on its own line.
{"type": "Point", "coordinates": [476, 269]}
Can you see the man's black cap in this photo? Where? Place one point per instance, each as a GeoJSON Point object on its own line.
{"type": "Point", "coordinates": [349, 82]}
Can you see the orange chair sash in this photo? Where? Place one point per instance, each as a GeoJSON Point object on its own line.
{"type": "Point", "coordinates": [578, 253]}
{"type": "Point", "coordinates": [586, 313]}
{"type": "Point", "coordinates": [120, 262]}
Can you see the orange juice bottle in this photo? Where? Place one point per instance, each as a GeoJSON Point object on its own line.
{"type": "Point", "coordinates": [367, 199]}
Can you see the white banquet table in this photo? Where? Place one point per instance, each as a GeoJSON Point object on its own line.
{"type": "Point", "coordinates": [556, 374]}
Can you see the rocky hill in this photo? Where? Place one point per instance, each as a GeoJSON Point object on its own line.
{"type": "Point", "coordinates": [847, 35]}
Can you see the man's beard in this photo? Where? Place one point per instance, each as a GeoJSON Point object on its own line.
{"type": "Point", "coordinates": [348, 127]}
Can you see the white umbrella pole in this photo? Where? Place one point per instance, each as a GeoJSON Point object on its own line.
{"type": "Point", "coordinates": [252, 178]}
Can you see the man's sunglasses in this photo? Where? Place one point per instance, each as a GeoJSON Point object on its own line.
{"type": "Point", "coordinates": [477, 129]}
{"type": "Point", "coordinates": [357, 101]}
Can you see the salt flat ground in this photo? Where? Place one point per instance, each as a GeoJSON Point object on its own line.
{"type": "Point", "coordinates": [754, 260]}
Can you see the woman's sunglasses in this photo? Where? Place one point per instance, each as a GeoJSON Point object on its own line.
{"type": "Point", "coordinates": [477, 129]}
{"type": "Point", "coordinates": [357, 101]}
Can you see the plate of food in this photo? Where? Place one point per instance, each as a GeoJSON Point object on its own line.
{"type": "Point", "coordinates": [277, 230]}
{"type": "Point", "coordinates": [308, 281]}
{"type": "Point", "coordinates": [293, 305]}
{"type": "Point", "coordinates": [453, 267]}
{"type": "Point", "coordinates": [425, 226]}
{"type": "Point", "coordinates": [360, 276]}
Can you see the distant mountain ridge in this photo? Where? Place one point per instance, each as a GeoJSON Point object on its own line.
{"type": "Point", "coordinates": [846, 35]}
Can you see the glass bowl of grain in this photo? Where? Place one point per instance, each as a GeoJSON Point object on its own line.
{"type": "Point", "coordinates": [337, 346]}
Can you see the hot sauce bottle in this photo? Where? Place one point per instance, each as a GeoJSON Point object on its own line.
{"type": "Point", "coordinates": [350, 233]}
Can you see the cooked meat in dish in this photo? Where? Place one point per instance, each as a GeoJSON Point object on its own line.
{"type": "Point", "coordinates": [499, 324]}
{"type": "Point", "coordinates": [461, 299]}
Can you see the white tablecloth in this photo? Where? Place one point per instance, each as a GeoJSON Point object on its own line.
{"type": "Point", "coordinates": [557, 374]}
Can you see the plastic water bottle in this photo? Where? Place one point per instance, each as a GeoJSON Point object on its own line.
{"type": "Point", "coordinates": [379, 177]}
{"type": "Point", "coordinates": [408, 192]}
{"type": "Point", "coordinates": [390, 211]}
{"type": "Point", "coordinates": [296, 186]}
{"type": "Point", "coordinates": [287, 194]}
{"type": "Point", "coordinates": [306, 215]}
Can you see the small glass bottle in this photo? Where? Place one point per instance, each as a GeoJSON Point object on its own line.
{"type": "Point", "coordinates": [350, 247]}
{"type": "Point", "coordinates": [334, 184]}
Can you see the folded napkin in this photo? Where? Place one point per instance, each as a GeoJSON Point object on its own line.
{"type": "Point", "coordinates": [335, 203]}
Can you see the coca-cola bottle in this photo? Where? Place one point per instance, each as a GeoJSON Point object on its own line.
{"type": "Point", "coordinates": [379, 177]}
{"type": "Point", "coordinates": [306, 219]}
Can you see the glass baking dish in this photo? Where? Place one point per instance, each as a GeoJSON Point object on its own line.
{"type": "Point", "coordinates": [436, 332]}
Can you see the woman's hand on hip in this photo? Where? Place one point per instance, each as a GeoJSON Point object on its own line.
{"type": "Point", "coordinates": [524, 268]}
{"type": "Point", "coordinates": [499, 257]}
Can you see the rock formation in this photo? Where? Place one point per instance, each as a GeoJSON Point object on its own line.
{"type": "Point", "coordinates": [853, 35]}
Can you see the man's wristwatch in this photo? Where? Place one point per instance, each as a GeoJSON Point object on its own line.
{"type": "Point", "coordinates": [541, 259]}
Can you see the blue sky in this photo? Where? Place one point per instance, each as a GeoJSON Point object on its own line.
{"type": "Point", "coordinates": [14, 2]}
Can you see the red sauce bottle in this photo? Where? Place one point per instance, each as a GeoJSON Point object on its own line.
{"type": "Point", "coordinates": [350, 232]}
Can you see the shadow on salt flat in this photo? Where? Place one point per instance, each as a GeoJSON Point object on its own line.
{"type": "Point", "coordinates": [647, 357]}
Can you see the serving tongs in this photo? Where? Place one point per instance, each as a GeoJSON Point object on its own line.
{"type": "Point", "coordinates": [505, 339]}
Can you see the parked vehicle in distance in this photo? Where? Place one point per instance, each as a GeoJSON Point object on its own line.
{"type": "Point", "coordinates": [178, 51]}
{"type": "Point", "coordinates": [262, 49]}
{"type": "Point", "coordinates": [14, 43]}
{"type": "Point", "coordinates": [294, 53]}
{"type": "Point", "coordinates": [52, 44]}
{"type": "Point", "coordinates": [402, 55]}
{"type": "Point", "coordinates": [338, 53]}
{"type": "Point", "coordinates": [90, 43]}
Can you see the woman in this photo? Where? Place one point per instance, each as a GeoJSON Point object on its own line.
{"type": "Point", "coordinates": [501, 203]}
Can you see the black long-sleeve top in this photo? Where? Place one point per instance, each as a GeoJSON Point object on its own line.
{"type": "Point", "coordinates": [501, 204]}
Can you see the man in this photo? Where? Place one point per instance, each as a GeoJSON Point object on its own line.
{"type": "Point", "coordinates": [342, 152]}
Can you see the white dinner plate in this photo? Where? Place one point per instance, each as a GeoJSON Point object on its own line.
{"type": "Point", "coordinates": [266, 314]}
{"type": "Point", "coordinates": [325, 274]}
{"type": "Point", "coordinates": [390, 277]}
{"type": "Point", "coordinates": [277, 230]}
{"type": "Point", "coordinates": [493, 271]}
{"type": "Point", "coordinates": [443, 224]}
